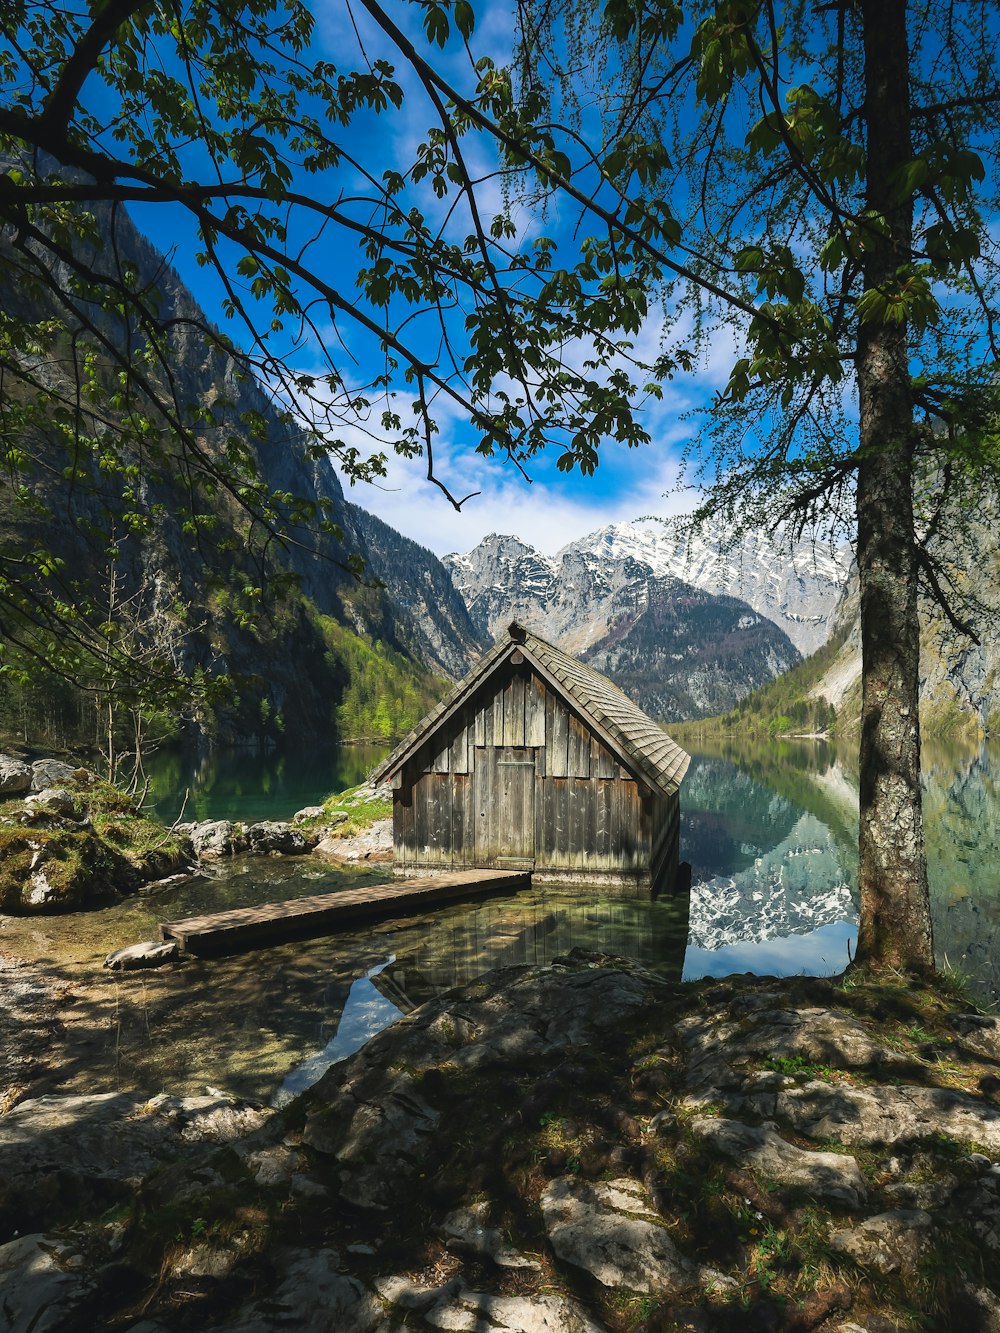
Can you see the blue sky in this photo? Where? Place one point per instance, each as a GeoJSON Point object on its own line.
{"type": "Point", "coordinates": [550, 508]}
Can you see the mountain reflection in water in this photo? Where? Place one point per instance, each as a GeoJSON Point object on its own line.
{"type": "Point", "coordinates": [771, 836]}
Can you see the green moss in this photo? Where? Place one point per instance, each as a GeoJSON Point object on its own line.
{"type": "Point", "coordinates": [361, 808]}
{"type": "Point", "coordinates": [63, 868]}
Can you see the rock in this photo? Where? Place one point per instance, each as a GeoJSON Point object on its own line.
{"type": "Point", "coordinates": [62, 1156]}
{"type": "Point", "coordinates": [979, 1309]}
{"type": "Point", "coordinates": [47, 868]}
{"type": "Point", "coordinates": [824, 1175]}
{"type": "Point", "coordinates": [309, 812]}
{"type": "Point", "coordinates": [42, 1282]}
{"type": "Point", "coordinates": [466, 1311]}
{"type": "Point", "coordinates": [468, 1231]}
{"type": "Point", "coordinates": [890, 1242]}
{"type": "Point", "coordinates": [272, 836]}
{"type": "Point", "coordinates": [886, 1114]}
{"type": "Point", "coordinates": [717, 1051]}
{"type": "Point", "coordinates": [410, 1295]}
{"type": "Point", "coordinates": [15, 775]}
{"type": "Point", "coordinates": [214, 1118]}
{"type": "Point", "coordinates": [312, 1296]}
{"type": "Point", "coordinates": [611, 1230]}
{"type": "Point", "coordinates": [214, 838]}
{"type": "Point", "coordinates": [50, 772]}
{"type": "Point", "coordinates": [980, 1031]}
{"type": "Point", "coordinates": [378, 1141]}
{"type": "Point", "coordinates": [56, 802]}
{"type": "Point", "coordinates": [150, 953]}
{"type": "Point", "coordinates": [373, 844]}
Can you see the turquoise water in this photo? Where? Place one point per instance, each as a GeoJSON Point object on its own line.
{"type": "Point", "coordinates": [771, 838]}
{"type": "Point", "coordinates": [253, 784]}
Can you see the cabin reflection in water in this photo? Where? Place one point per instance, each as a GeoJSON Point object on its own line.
{"type": "Point", "coordinates": [428, 958]}
{"type": "Point", "coordinates": [533, 929]}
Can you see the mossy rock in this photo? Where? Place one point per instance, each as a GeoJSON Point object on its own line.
{"type": "Point", "coordinates": [59, 870]}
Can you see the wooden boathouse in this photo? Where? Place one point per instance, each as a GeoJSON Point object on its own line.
{"type": "Point", "coordinates": [537, 762]}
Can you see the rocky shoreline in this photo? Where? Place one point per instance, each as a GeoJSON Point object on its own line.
{"type": "Point", "coordinates": [571, 1149]}
{"type": "Point", "coordinates": [70, 840]}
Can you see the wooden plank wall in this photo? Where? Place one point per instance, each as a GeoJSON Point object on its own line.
{"type": "Point", "coordinates": [589, 812]}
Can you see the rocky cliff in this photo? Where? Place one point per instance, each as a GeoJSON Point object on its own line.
{"type": "Point", "coordinates": [186, 572]}
{"type": "Point", "coordinates": [959, 678]}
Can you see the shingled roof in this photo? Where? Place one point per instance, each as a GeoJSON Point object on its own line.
{"type": "Point", "coordinates": [641, 744]}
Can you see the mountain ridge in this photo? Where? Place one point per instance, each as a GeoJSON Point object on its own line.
{"type": "Point", "coordinates": [678, 650]}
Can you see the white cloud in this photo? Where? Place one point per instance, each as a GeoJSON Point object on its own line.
{"type": "Point", "coordinates": [547, 513]}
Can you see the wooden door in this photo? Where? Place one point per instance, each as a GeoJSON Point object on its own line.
{"type": "Point", "coordinates": [504, 804]}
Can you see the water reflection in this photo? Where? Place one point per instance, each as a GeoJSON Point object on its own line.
{"type": "Point", "coordinates": [772, 882]}
{"type": "Point", "coordinates": [366, 1011]}
{"type": "Point", "coordinates": [253, 784]}
{"type": "Point", "coordinates": [772, 837]}
{"type": "Point", "coordinates": [772, 842]}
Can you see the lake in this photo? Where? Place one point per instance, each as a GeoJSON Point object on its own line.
{"type": "Point", "coordinates": [770, 834]}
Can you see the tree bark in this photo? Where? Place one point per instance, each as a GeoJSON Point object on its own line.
{"type": "Point", "coordinates": [895, 928]}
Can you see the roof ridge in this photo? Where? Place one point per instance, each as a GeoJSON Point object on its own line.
{"type": "Point", "coordinates": [656, 757]}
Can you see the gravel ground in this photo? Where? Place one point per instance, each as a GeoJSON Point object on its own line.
{"type": "Point", "coordinates": [29, 1020]}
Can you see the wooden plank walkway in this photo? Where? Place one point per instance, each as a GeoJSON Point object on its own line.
{"type": "Point", "coordinates": [321, 914]}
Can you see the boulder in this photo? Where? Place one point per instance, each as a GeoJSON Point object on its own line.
{"type": "Point", "coordinates": [611, 1230]}
{"type": "Point", "coordinates": [886, 1114]}
{"type": "Point", "coordinates": [50, 773]}
{"type": "Point", "coordinates": [467, 1311]}
{"type": "Point", "coordinates": [46, 868]}
{"type": "Point", "coordinates": [213, 838]}
{"type": "Point", "coordinates": [308, 812]}
{"type": "Point", "coordinates": [15, 775]}
{"type": "Point", "coordinates": [312, 1295]}
{"type": "Point", "coordinates": [829, 1176]}
{"type": "Point", "coordinates": [43, 1281]}
{"type": "Point", "coordinates": [373, 844]}
{"type": "Point", "coordinates": [150, 953]}
{"type": "Point", "coordinates": [891, 1242]}
{"type": "Point", "coordinates": [271, 837]}
{"type": "Point", "coordinates": [56, 802]}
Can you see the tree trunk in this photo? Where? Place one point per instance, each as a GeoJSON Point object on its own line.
{"type": "Point", "coordinates": [895, 929]}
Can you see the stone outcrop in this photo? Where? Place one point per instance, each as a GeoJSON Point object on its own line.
{"type": "Point", "coordinates": [215, 838]}
{"type": "Point", "coordinates": [69, 840]}
{"type": "Point", "coordinates": [583, 1148]}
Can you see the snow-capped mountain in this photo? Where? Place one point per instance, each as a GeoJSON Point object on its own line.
{"type": "Point", "coordinates": [571, 597]}
{"type": "Point", "coordinates": [678, 650]}
{"type": "Point", "coordinates": [794, 583]}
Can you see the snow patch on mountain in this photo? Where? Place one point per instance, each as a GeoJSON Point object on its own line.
{"type": "Point", "coordinates": [797, 584]}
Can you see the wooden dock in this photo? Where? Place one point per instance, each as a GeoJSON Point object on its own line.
{"type": "Point", "coordinates": [324, 913]}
